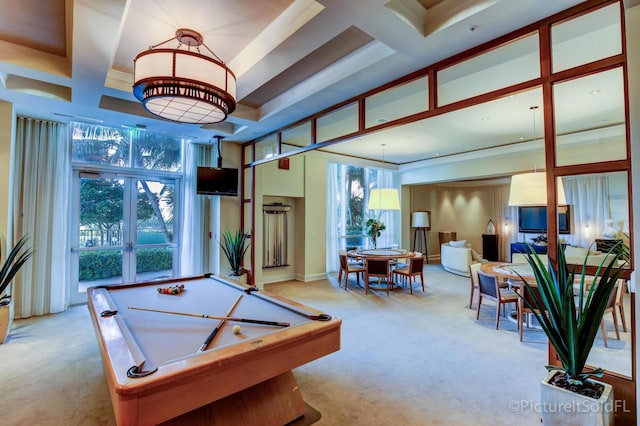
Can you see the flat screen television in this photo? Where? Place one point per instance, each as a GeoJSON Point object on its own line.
{"type": "Point", "coordinates": [533, 219]}
{"type": "Point", "coordinates": [217, 181]}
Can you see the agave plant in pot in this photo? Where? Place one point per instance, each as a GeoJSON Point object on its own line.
{"type": "Point", "coordinates": [15, 260]}
{"type": "Point", "coordinates": [235, 245]}
{"type": "Point", "coordinates": [569, 307]}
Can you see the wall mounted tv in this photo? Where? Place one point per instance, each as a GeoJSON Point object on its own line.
{"type": "Point", "coordinates": [533, 219]}
{"type": "Point", "coordinates": [217, 181]}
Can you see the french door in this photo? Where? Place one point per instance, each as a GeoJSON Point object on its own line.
{"type": "Point", "coordinates": [123, 230]}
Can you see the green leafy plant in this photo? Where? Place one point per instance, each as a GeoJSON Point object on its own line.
{"type": "Point", "coordinates": [570, 318]}
{"type": "Point", "coordinates": [16, 258]}
{"type": "Point", "coordinates": [374, 229]}
{"type": "Point", "coordinates": [235, 246]}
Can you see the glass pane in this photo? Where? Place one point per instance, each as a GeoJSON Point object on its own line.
{"type": "Point", "coordinates": [99, 144]}
{"type": "Point", "coordinates": [247, 182]}
{"type": "Point", "coordinates": [267, 148]}
{"type": "Point", "coordinates": [288, 148]}
{"type": "Point", "coordinates": [247, 217]}
{"type": "Point", "coordinates": [397, 102]}
{"type": "Point", "coordinates": [99, 267]}
{"type": "Point", "coordinates": [337, 123]}
{"type": "Point", "coordinates": [297, 137]}
{"type": "Point", "coordinates": [355, 188]}
{"type": "Point", "coordinates": [156, 152]}
{"type": "Point", "coordinates": [154, 227]}
{"type": "Point", "coordinates": [599, 209]}
{"type": "Point", "coordinates": [589, 119]}
{"type": "Point", "coordinates": [100, 232]}
{"type": "Point", "coordinates": [503, 66]}
{"type": "Point", "coordinates": [248, 156]}
{"type": "Point", "coordinates": [154, 263]}
{"type": "Point", "coordinates": [600, 218]}
{"type": "Point", "coordinates": [155, 204]}
{"type": "Point", "coordinates": [587, 38]}
{"type": "Point", "coordinates": [101, 212]}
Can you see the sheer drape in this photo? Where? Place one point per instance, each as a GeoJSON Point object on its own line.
{"type": "Point", "coordinates": [505, 215]}
{"type": "Point", "coordinates": [41, 199]}
{"type": "Point", "coordinates": [195, 241]}
{"type": "Point", "coordinates": [335, 192]}
{"type": "Point", "coordinates": [588, 197]}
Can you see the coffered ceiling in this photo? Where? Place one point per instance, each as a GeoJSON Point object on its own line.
{"type": "Point", "coordinates": [73, 60]}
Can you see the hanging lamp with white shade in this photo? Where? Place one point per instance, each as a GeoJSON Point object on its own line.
{"type": "Point", "coordinates": [183, 85]}
{"type": "Point", "coordinates": [530, 189]}
{"type": "Point", "coordinates": [384, 198]}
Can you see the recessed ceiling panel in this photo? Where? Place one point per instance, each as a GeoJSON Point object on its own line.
{"type": "Point", "coordinates": [340, 46]}
{"type": "Point", "coordinates": [35, 24]}
{"type": "Point", "coordinates": [227, 26]}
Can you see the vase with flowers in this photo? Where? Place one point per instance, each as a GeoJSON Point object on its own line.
{"type": "Point", "coordinates": [374, 230]}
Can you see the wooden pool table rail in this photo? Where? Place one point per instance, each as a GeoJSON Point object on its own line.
{"type": "Point", "coordinates": [198, 380]}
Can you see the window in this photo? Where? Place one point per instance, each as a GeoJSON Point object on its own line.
{"type": "Point", "coordinates": [127, 192]}
{"type": "Point", "coordinates": [108, 146]}
{"type": "Point", "coordinates": [348, 189]}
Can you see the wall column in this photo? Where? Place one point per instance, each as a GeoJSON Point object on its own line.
{"type": "Point", "coordinates": [7, 135]}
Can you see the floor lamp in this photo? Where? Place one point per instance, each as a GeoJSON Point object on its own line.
{"type": "Point", "coordinates": [420, 223]}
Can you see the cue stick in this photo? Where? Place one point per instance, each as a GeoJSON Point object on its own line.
{"type": "Point", "coordinates": [218, 327]}
{"type": "Point", "coordinates": [217, 317]}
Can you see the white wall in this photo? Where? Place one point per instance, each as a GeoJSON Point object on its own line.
{"type": "Point", "coordinates": [465, 210]}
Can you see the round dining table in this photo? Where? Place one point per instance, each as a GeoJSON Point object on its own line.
{"type": "Point", "coordinates": [506, 271]}
{"type": "Point", "coordinates": [380, 253]}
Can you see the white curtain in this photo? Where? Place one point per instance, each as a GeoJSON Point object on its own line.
{"type": "Point", "coordinates": [195, 241]}
{"type": "Point", "coordinates": [588, 198]}
{"type": "Point", "coordinates": [335, 192]}
{"type": "Point", "coordinates": [41, 182]}
{"type": "Point", "coordinates": [506, 221]}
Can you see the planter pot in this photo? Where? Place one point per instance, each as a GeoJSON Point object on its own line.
{"type": "Point", "coordinates": [242, 278]}
{"type": "Point", "coordinates": [562, 407]}
{"type": "Point", "coordinates": [6, 319]}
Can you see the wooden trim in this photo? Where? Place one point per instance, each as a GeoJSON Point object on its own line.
{"type": "Point", "coordinates": [626, 387]}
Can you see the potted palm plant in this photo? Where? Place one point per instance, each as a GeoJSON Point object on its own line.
{"type": "Point", "coordinates": [235, 246]}
{"type": "Point", "coordinates": [569, 309]}
{"type": "Point", "coordinates": [16, 258]}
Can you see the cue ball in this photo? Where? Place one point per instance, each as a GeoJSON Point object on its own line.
{"type": "Point", "coordinates": [236, 329]}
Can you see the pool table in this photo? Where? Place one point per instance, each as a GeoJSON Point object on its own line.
{"type": "Point", "coordinates": [159, 371]}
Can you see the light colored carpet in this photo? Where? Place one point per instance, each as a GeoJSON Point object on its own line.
{"type": "Point", "coordinates": [409, 360]}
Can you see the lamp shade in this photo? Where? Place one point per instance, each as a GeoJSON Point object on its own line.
{"type": "Point", "coordinates": [184, 85]}
{"type": "Point", "coordinates": [420, 220]}
{"type": "Point", "coordinates": [530, 189]}
{"type": "Point", "coordinates": [384, 199]}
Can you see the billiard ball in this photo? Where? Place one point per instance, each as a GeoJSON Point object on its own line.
{"type": "Point", "coordinates": [236, 329]}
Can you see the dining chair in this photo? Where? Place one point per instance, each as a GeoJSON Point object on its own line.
{"type": "Point", "coordinates": [489, 288]}
{"type": "Point", "coordinates": [414, 269]}
{"type": "Point", "coordinates": [622, 290]}
{"type": "Point", "coordinates": [474, 268]}
{"type": "Point", "coordinates": [611, 308]}
{"type": "Point", "coordinates": [353, 260]}
{"type": "Point", "coordinates": [377, 268]}
{"type": "Point", "coordinates": [528, 295]}
{"type": "Point", "coordinates": [348, 268]}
